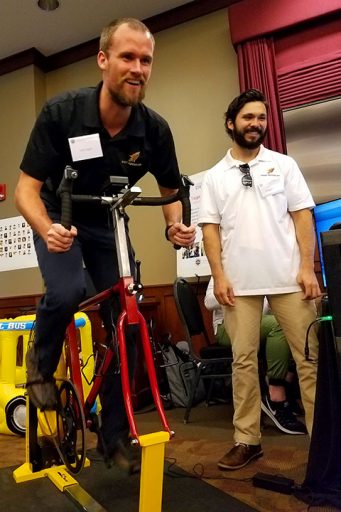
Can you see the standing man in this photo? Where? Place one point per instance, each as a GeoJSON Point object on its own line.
{"type": "Point", "coordinates": [259, 240]}
{"type": "Point", "coordinates": [277, 356]}
{"type": "Point", "coordinates": [118, 135]}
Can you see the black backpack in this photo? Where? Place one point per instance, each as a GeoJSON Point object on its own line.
{"type": "Point", "coordinates": [180, 371]}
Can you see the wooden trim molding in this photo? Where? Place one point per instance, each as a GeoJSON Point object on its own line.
{"type": "Point", "coordinates": [159, 310]}
{"type": "Point", "coordinates": [20, 60]}
{"type": "Point", "coordinates": [157, 306]}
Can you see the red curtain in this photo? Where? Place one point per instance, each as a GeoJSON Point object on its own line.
{"type": "Point", "coordinates": [309, 64]}
{"type": "Point", "coordinates": [250, 19]}
{"type": "Point", "coordinates": [257, 69]}
{"type": "Point", "coordinates": [310, 84]}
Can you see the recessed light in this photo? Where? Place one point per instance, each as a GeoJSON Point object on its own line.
{"type": "Point", "coordinates": [48, 5]}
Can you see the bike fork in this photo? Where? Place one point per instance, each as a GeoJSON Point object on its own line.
{"type": "Point", "coordinates": [121, 324]}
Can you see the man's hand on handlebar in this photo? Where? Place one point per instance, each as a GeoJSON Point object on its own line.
{"type": "Point", "coordinates": [182, 235]}
{"type": "Point", "coordinates": [60, 239]}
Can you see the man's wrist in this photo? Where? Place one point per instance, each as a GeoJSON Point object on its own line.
{"type": "Point", "coordinates": [166, 231]}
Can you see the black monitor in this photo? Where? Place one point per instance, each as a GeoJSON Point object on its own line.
{"type": "Point", "coordinates": [326, 215]}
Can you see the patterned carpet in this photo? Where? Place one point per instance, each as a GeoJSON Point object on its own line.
{"type": "Point", "coordinates": [198, 445]}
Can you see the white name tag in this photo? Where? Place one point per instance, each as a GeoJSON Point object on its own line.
{"type": "Point", "coordinates": [85, 147]}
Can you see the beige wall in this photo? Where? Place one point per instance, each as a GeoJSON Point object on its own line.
{"type": "Point", "coordinates": [194, 77]}
{"type": "Point", "coordinates": [18, 96]}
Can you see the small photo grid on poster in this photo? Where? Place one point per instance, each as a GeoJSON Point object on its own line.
{"type": "Point", "coordinates": [16, 244]}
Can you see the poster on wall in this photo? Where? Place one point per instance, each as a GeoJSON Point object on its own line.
{"type": "Point", "coordinates": [193, 262]}
{"type": "Point", "coordinates": [16, 244]}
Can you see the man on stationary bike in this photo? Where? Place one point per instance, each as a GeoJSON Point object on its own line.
{"type": "Point", "coordinates": [100, 131]}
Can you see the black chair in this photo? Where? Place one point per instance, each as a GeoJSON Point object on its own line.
{"type": "Point", "coordinates": [213, 361]}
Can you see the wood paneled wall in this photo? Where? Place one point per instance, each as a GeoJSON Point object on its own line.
{"type": "Point", "coordinates": [158, 305]}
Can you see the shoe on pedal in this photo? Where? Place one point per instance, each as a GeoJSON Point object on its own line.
{"type": "Point", "coordinates": [41, 391]}
{"type": "Point", "coordinates": [240, 455]}
{"type": "Point", "coordinates": [282, 416]}
{"type": "Point", "coordinates": [122, 455]}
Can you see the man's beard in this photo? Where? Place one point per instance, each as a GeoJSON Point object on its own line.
{"type": "Point", "coordinates": [122, 99]}
{"type": "Point", "coordinates": [239, 138]}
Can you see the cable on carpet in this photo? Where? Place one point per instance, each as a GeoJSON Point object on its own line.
{"type": "Point", "coordinates": [198, 473]}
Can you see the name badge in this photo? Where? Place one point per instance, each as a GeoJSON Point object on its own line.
{"type": "Point", "coordinates": [85, 147]}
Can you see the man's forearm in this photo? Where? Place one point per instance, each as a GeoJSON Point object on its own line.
{"type": "Point", "coordinates": [172, 213]}
{"type": "Point", "coordinates": [305, 236]}
{"type": "Point", "coordinates": [28, 202]}
{"type": "Point", "coordinates": [212, 246]}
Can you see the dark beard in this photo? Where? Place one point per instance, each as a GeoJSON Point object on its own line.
{"type": "Point", "coordinates": [239, 138]}
{"type": "Point", "coordinates": [123, 101]}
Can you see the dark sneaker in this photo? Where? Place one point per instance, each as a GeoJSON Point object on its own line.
{"type": "Point", "coordinates": [296, 408]}
{"type": "Point", "coordinates": [240, 455]}
{"type": "Point", "coordinates": [122, 455]}
{"type": "Point", "coordinates": [282, 416]}
{"type": "Point", "coordinates": [41, 391]}
{"type": "Point", "coordinates": [292, 392]}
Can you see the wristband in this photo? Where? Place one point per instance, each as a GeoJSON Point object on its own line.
{"type": "Point", "coordinates": [166, 231]}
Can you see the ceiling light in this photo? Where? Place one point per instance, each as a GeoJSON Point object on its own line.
{"type": "Point", "coordinates": [48, 5]}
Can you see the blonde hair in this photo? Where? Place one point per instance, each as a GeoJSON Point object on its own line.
{"type": "Point", "coordinates": [107, 33]}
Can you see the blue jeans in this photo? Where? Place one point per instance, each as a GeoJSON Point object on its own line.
{"type": "Point", "coordinates": [65, 283]}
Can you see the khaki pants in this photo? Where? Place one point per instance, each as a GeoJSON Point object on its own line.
{"type": "Point", "coordinates": [243, 323]}
{"type": "Point", "coordinates": [272, 343]}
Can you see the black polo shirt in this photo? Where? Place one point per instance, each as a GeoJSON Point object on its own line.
{"type": "Point", "coordinates": [144, 145]}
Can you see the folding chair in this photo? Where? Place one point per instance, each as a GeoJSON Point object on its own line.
{"type": "Point", "coordinates": [213, 361]}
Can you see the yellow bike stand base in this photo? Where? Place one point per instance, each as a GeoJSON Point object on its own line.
{"type": "Point", "coordinates": [151, 481]}
{"type": "Point", "coordinates": [62, 479]}
{"type": "Point", "coordinates": [24, 473]}
{"type": "Point", "coordinates": [152, 467]}
{"type": "Point", "coordinates": [57, 473]}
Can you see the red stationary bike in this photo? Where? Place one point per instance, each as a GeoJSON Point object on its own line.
{"type": "Point", "coordinates": [74, 413]}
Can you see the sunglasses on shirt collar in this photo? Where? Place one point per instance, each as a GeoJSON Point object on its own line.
{"type": "Point", "coordinates": [246, 178]}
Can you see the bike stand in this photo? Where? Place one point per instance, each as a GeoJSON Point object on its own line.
{"type": "Point", "coordinates": [42, 461]}
{"type": "Point", "coordinates": [62, 479]}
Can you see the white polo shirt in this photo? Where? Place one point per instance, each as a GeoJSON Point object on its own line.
{"type": "Point", "coordinates": [260, 253]}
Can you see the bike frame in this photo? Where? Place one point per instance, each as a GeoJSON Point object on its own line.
{"type": "Point", "coordinates": [130, 315]}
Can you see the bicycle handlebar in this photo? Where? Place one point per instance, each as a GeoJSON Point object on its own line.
{"type": "Point", "coordinates": [125, 197]}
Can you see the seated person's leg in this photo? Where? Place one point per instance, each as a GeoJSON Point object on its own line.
{"type": "Point", "coordinates": [278, 356]}
{"type": "Point", "coordinates": [292, 389]}
{"type": "Point", "coordinates": [222, 338]}
{"type": "Point", "coordinates": [295, 315]}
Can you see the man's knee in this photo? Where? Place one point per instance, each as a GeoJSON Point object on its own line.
{"type": "Point", "coordinates": [66, 300]}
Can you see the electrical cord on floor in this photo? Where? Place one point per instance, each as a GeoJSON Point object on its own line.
{"type": "Point", "coordinates": [198, 473]}
{"type": "Point", "coordinates": [198, 470]}
{"type": "Point", "coordinates": [325, 318]}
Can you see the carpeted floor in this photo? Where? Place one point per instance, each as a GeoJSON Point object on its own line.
{"type": "Point", "coordinates": [198, 445]}
{"type": "Point", "coordinates": [196, 448]}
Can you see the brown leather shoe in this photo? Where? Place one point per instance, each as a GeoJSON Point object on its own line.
{"type": "Point", "coordinates": [240, 455]}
